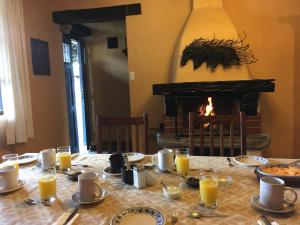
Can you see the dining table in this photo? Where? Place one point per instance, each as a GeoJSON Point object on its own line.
{"type": "Point", "coordinates": [234, 200]}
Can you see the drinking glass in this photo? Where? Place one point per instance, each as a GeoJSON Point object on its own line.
{"type": "Point", "coordinates": [182, 160]}
{"type": "Point", "coordinates": [47, 185]}
{"type": "Point", "coordinates": [64, 157]}
{"type": "Point", "coordinates": [11, 160]}
{"type": "Point", "coordinates": [208, 185]}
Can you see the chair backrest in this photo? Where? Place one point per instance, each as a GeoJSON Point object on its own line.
{"type": "Point", "coordinates": [120, 123]}
{"type": "Point", "coordinates": [215, 126]}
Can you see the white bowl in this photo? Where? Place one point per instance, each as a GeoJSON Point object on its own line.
{"type": "Point", "coordinates": [172, 191]}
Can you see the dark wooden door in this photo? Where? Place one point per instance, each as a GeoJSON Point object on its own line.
{"type": "Point", "coordinates": [70, 94]}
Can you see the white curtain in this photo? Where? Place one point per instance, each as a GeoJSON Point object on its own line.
{"type": "Point", "coordinates": [14, 77]}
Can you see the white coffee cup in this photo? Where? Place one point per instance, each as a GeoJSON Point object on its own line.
{"type": "Point", "coordinates": [8, 177]}
{"type": "Point", "coordinates": [47, 158]}
{"type": "Point", "coordinates": [89, 187]}
{"type": "Point", "coordinates": [166, 159]}
{"type": "Point", "coordinates": [272, 191]}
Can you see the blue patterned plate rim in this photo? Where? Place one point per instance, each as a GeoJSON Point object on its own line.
{"type": "Point", "coordinates": [159, 216]}
{"type": "Point", "coordinates": [252, 160]}
{"type": "Point", "coordinates": [286, 208]}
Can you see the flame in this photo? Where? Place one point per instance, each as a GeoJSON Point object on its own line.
{"type": "Point", "coordinates": [207, 110]}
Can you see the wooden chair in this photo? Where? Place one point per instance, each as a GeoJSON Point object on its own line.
{"type": "Point", "coordinates": [119, 123]}
{"type": "Point", "coordinates": [214, 124]}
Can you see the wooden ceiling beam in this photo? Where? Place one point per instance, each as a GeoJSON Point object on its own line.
{"type": "Point", "coordinates": [96, 14]}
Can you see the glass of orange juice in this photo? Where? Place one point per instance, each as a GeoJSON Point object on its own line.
{"type": "Point", "coordinates": [64, 157]}
{"type": "Point", "coordinates": [11, 160]}
{"type": "Point", "coordinates": [47, 185]}
{"type": "Point", "coordinates": [182, 160]}
{"type": "Point", "coordinates": [208, 185]}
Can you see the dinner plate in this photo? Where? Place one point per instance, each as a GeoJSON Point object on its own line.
{"type": "Point", "coordinates": [250, 160]}
{"type": "Point", "coordinates": [76, 198]}
{"type": "Point", "coordinates": [135, 156]}
{"type": "Point", "coordinates": [138, 215]}
{"type": "Point", "coordinates": [287, 208]}
{"type": "Point", "coordinates": [27, 158]}
{"type": "Point", "coordinates": [19, 186]}
{"type": "Point", "coordinates": [107, 172]}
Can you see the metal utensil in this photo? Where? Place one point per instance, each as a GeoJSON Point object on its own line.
{"type": "Point", "coordinates": [196, 214]}
{"type": "Point", "coordinates": [265, 219]}
{"type": "Point", "coordinates": [73, 213]}
{"type": "Point", "coordinates": [30, 201]}
{"type": "Point", "coordinates": [174, 220]}
{"type": "Point", "coordinates": [163, 184]}
{"type": "Point", "coordinates": [229, 162]}
{"type": "Point", "coordinates": [82, 165]}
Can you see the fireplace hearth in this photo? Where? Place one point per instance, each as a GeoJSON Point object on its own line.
{"type": "Point", "coordinates": [229, 97]}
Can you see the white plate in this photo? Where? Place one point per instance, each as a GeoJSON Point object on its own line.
{"type": "Point", "coordinates": [76, 198]}
{"type": "Point", "coordinates": [107, 172]}
{"type": "Point", "coordinates": [27, 158]}
{"type": "Point", "coordinates": [135, 156]}
{"type": "Point", "coordinates": [286, 208]}
{"type": "Point", "coordinates": [250, 160]}
{"type": "Point", "coordinates": [19, 186]}
{"type": "Point", "coordinates": [138, 215]}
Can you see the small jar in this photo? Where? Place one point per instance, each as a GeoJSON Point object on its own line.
{"type": "Point", "coordinates": [139, 177]}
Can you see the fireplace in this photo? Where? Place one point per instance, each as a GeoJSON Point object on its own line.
{"type": "Point", "coordinates": [228, 98]}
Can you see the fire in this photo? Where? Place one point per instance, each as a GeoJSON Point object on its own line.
{"type": "Point", "coordinates": [207, 110]}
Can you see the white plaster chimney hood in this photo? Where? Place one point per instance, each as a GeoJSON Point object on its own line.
{"type": "Point", "coordinates": [207, 20]}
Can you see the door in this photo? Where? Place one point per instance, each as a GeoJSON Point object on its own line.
{"type": "Point", "coordinates": [84, 94]}
{"type": "Point", "coordinates": [70, 94]}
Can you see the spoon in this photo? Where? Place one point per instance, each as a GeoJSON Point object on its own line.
{"type": "Point", "coordinates": [30, 201]}
{"type": "Point", "coordinates": [196, 214]}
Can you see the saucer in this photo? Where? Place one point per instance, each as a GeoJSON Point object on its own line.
{"type": "Point", "coordinates": [19, 186]}
{"type": "Point", "coordinates": [286, 208]}
{"type": "Point", "coordinates": [76, 198]}
{"type": "Point", "coordinates": [107, 172]}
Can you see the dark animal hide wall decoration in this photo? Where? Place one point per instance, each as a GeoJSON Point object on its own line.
{"type": "Point", "coordinates": [214, 52]}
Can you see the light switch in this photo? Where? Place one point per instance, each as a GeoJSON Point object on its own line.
{"type": "Point", "coordinates": [131, 75]}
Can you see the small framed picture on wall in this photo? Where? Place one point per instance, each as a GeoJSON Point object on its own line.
{"type": "Point", "coordinates": [40, 57]}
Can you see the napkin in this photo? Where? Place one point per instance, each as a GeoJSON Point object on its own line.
{"type": "Point", "coordinates": [62, 219]}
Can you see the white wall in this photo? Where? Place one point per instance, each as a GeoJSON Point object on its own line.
{"type": "Point", "coordinates": [108, 71]}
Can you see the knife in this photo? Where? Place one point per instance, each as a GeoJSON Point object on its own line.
{"type": "Point", "coordinates": [73, 213]}
{"type": "Point", "coordinates": [265, 219]}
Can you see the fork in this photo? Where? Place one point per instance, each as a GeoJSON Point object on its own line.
{"type": "Point", "coordinates": [174, 219]}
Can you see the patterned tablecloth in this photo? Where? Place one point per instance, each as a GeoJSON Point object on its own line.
{"type": "Point", "coordinates": [233, 201]}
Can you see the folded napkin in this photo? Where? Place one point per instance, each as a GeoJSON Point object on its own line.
{"type": "Point", "coordinates": [62, 219]}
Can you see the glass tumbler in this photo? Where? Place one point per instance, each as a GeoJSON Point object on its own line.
{"type": "Point", "coordinates": [208, 185]}
{"type": "Point", "coordinates": [182, 160]}
{"type": "Point", "coordinates": [47, 185]}
{"type": "Point", "coordinates": [64, 157]}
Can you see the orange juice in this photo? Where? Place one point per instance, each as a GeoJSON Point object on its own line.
{"type": "Point", "coordinates": [64, 160]}
{"type": "Point", "coordinates": [208, 192]}
{"type": "Point", "coordinates": [47, 185]}
{"type": "Point", "coordinates": [182, 164]}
